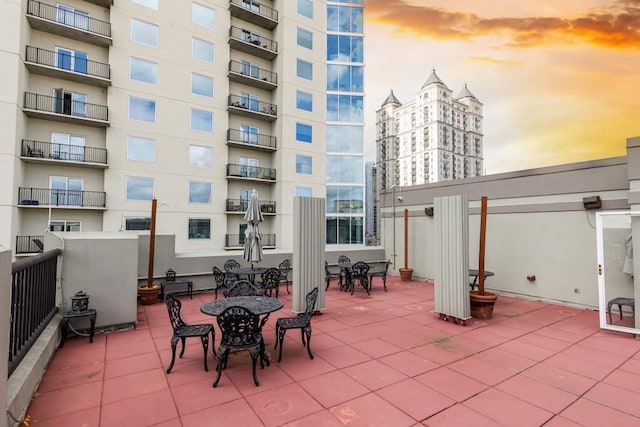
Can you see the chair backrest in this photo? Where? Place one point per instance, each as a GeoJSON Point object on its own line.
{"type": "Point", "coordinates": [270, 279]}
{"type": "Point", "coordinates": [218, 277]}
{"type": "Point", "coordinates": [386, 266]}
{"type": "Point", "coordinates": [239, 327]}
{"type": "Point", "coordinates": [284, 267]}
{"type": "Point", "coordinates": [231, 265]}
{"type": "Point", "coordinates": [170, 275]}
{"type": "Point", "coordinates": [242, 288]}
{"type": "Point", "coordinates": [343, 259]}
{"type": "Point", "coordinates": [359, 269]}
{"type": "Point", "coordinates": [174, 306]}
{"type": "Point", "coordinates": [311, 298]}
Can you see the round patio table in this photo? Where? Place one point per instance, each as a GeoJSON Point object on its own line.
{"type": "Point", "coordinates": [256, 304]}
{"type": "Point", "coordinates": [250, 272]}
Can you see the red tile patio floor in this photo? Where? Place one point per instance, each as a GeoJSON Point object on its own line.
{"type": "Point", "coordinates": [380, 360]}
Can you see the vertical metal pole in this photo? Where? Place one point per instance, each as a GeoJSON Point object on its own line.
{"type": "Point", "coordinates": [152, 241]}
{"type": "Point", "coordinates": [394, 224]}
{"type": "Point", "coordinates": [483, 235]}
{"type": "Point", "coordinates": [406, 239]}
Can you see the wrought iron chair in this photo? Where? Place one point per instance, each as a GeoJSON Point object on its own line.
{"type": "Point", "coordinates": [220, 280]}
{"type": "Point", "coordinates": [328, 275]}
{"type": "Point", "coordinates": [302, 322]}
{"type": "Point", "coordinates": [382, 273]}
{"type": "Point", "coordinates": [270, 281]}
{"type": "Point", "coordinates": [181, 331]}
{"type": "Point", "coordinates": [240, 331]}
{"type": "Point", "coordinates": [344, 262]}
{"type": "Point", "coordinates": [230, 268]}
{"type": "Point", "coordinates": [358, 272]}
{"type": "Point", "coordinates": [343, 259]}
{"type": "Point", "coordinates": [242, 288]}
{"type": "Point", "coordinates": [285, 268]}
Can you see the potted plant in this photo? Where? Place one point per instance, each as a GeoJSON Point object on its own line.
{"type": "Point", "coordinates": [406, 272]}
{"type": "Point", "coordinates": [482, 302]}
{"type": "Point", "coordinates": [149, 292]}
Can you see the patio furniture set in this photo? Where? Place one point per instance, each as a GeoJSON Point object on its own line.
{"type": "Point", "coordinates": [359, 272]}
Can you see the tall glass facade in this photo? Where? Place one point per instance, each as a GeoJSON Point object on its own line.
{"type": "Point", "coordinates": [345, 122]}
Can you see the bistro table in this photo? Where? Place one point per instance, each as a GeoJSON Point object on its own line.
{"type": "Point", "coordinates": [475, 274]}
{"type": "Point", "coordinates": [250, 272]}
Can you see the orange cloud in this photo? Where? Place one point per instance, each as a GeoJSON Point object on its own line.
{"type": "Point", "coordinates": [617, 26]}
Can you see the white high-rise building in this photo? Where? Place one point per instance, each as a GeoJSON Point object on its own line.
{"type": "Point", "coordinates": [436, 137]}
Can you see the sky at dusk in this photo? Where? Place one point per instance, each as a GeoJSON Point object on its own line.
{"type": "Point", "coordinates": [559, 79]}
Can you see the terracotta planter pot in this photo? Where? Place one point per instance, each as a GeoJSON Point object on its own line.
{"type": "Point", "coordinates": [482, 305]}
{"type": "Point", "coordinates": [405, 274]}
{"type": "Point", "coordinates": [148, 295]}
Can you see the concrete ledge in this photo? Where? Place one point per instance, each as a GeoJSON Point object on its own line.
{"type": "Point", "coordinates": [24, 381]}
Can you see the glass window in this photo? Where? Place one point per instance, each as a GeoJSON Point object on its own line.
{"type": "Point", "coordinates": [153, 4]}
{"type": "Point", "coordinates": [345, 108]}
{"type": "Point", "coordinates": [142, 109]}
{"type": "Point", "coordinates": [66, 190]}
{"type": "Point", "coordinates": [345, 230]}
{"type": "Point", "coordinates": [199, 192]}
{"type": "Point", "coordinates": [305, 38]}
{"type": "Point", "coordinates": [304, 69]}
{"type": "Point", "coordinates": [143, 71]}
{"type": "Point", "coordinates": [141, 149]}
{"type": "Point", "coordinates": [345, 48]}
{"type": "Point", "coordinates": [200, 156]}
{"type": "Point", "coordinates": [344, 19]}
{"type": "Point", "coordinates": [304, 101]}
{"type": "Point", "coordinates": [345, 169]}
{"type": "Point", "coordinates": [201, 85]}
{"type": "Point", "coordinates": [65, 225]}
{"type": "Point", "coordinates": [137, 223]}
{"type": "Point", "coordinates": [139, 188]}
{"type": "Point", "coordinates": [304, 133]}
{"type": "Point", "coordinates": [201, 120]}
{"type": "Point", "coordinates": [305, 8]}
{"type": "Point", "coordinates": [203, 15]}
{"type": "Point", "coordinates": [65, 146]}
{"type": "Point", "coordinates": [69, 59]}
{"type": "Point", "coordinates": [303, 191]}
{"type": "Point", "coordinates": [303, 164]}
{"type": "Point", "coordinates": [202, 50]}
{"type": "Point", "coordinates": [345, 199]}
{"type": "Point", "coordinates": [199, 228]}
{"type": "Point", "coordinates": [144, 32]}
{"type": "Point", "coordinates": [345, 138]}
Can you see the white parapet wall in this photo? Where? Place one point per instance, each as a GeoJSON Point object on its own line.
{"type": "Point", "coordinates": [5, 301]}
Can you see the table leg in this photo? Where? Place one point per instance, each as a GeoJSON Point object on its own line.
{"type": "Point", "coordinates": [92, 329]}
{"type": "Point", "coordinates": [63, 331]}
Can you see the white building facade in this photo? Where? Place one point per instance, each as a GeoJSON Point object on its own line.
{"type": "Point", "coordinates": [436, 137]}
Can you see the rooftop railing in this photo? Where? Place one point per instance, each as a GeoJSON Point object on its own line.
{"type": "Point", "coordinates": [65, 61]}
{"type": "Point", "coordinates": [53, 197]}
{"type": "Point", "coordinates": [71, 18]}
{"type": "Point", "coordinates": [63, 152]}
{"type": "Point", "coordinates": [249, 138]}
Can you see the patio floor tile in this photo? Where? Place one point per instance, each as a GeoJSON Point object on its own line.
{"type": "Point", "coordinates": [319, 419]}
{"type": "Point", "coordinates": [322, 388]}
{"type": "Point", "coordinates": [557, 377]}
{"type": "Point", "coordinates": [72, 375]}
{"type": "Point", "coordinates": [282, 404]}
{"type": "Point", "coordinates": [452, 384]}
{"type": "Point", "coordinates": [371, 411]}
{"type": "Point", "coordinates": [409, 363]}
{"type": "Point", "coordinates": [374, 374]}
{"type": "Point", "coordinates": [198, 395]}
{"type": "Point", "coordinates": [129, 386]}
{"type": "Point", "coordinates": [615, 398]}
{"type": "Point", "coordinates": [234, 413]}
{"type": "Point", "coordinates": [507, 409]}
{"type": "Point", "coordinates": [145, 410]}
{"type": "Point", "coordinates": [460, 415]}
{"type": "Point", "coordinates": [344, 356]}
{"type": "Point", "coordinates": [64, 401]}
{"type": "Point", "coordinates": [537, 393]}
{"type": "Point", "coordinates": [591, 414]}
{"type": "Point", "coordinates": [85, 418]}
{"type": "Point", "coordinates": [480, 370]}
{"type": "Point", "coordinates": [132, 364]}
{"type": "Point", "coordinates": [415, 398]}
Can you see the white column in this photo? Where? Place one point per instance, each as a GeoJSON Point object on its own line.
{"type": "Point", "coordinates": [5, 308]}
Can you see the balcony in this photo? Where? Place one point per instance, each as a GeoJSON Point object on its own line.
{"type": "Point", "coordinates": [65, 109]}
{"type": "Point", "coordinates": [236, 241]}
{"type": "Point", "coordinates": [62, 65]}
{"type": "Point", "coordinates": [254, 12]}
{"type": "Point", "coordinates": [29, 245]}
{"type": "Point", "coordinates": [66, 23]}
{"type": "Point", "coordinates": [104, 3]}
{"type": "Point", "coordinates": [252, 75]}
{"type": "Point", "coordinates": [256, 141]}
{"type": "Point", "coordinates": [245, 106]}
{"type": "Point", "coordinates": [252, 43]}
{"type": "Point", "coordinates": [250, 173]}
{"type": "Point", "coordinates": [72, 199]}
{"type": "Point", "coordinates": [239, 206]}
{"type": "Point", "coordinates": [74, 155]}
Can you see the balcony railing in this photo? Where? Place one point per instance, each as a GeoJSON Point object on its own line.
{"type": "Point", "coordinates": [66, 106]}
{"type": "Point", "coordinates": [255, 12]}
{"type": "Point", "coordinates": [53, 197]}
{"type": "Point", "coordinates": [63, 152]}
{"type": "Point", "coordinates": [252, 43]}
{"type": "Point", "coordinates": [251, 172]}
{"type": "Point", "coordinates": [33, 302]}
{"type": "Point", "coordinates": [253, 105]}
{"type": "Point", "coordinates": [253, 75]}
{"type": "Point", "coordinates": [66, 62]}
{"type": "Point", "coordinates": [253, 139]}
{"type": "Point", "coordinates": [240, 205]}
{"type": "Point", "coordinates": [237, 240]}
{"type": "Point", "coordinates": [29, 244]}
{"type": "Point", "coordinates": [80, 21]}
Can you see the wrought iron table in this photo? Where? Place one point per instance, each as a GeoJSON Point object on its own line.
{"type": "Point", "coordinates": [64, 325]}
{"type": "Point", "coordinates": [250, 272]}
{"type": "Point", "coordinates": [475, 274]}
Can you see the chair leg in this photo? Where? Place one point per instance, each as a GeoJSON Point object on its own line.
{"type": "Point", "coordinates": [254, 359]}
{"type": "Point", "coordinates": [183, 340]}
{"type": "Point", "coordinates": [280, 340]}
{"type": "Point", "coordinates": [328, 281]}
{"type": "Point", "coordinates": [216, 293]}
{"type": "Point", "coordinates": [174, 343]}
{"type": "Point", "coordinates": [205, 347]}
{"type": "Point", "coordinates": [213, 341]}
{"type": "Point", "coordinates": [222, 361]}
{"type": "Point", "coordinates": [307, 332]}
{"type": "Point", "coordinates": [384, 282]}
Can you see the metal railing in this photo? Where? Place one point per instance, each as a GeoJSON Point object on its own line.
{"type": "Point", "coordinates": [237, 240]}
{"type": "Point", "coordinates": [253, 38]}
{"type": "Point", "coordinates": [53, 197]}
{"type": "Point", "coordinates": [67, 62]}
{"type": "Point", "coordinates": [240, 205]}
{"type": "Point", "coordinates": [255, 172]}
{"type": "Point", "coordinates": [33, 302]}
{"type": "Point", "coordinates": [68, 152]}
{"type": "Point", "coordinates": [63, 105]}
{"type": "Point", "coordinates": [244, 137]}
{"type": "Point", "coordinates": [253, 71]}
{"type": "Point", "coordinates": [71, 18]}
{"type": "Point", "coordinates": [239, 101]}
{"type": "Point", "coordinates": [29, 244]}
{"type": "Point", "coordinates": [257, 8]}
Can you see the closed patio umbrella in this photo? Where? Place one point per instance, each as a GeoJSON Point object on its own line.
{"type": "Point", "coordinates": [252, 236]}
